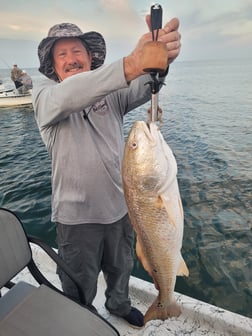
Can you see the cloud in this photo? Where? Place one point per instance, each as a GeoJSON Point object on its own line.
{"type": "Point", "coordinates": [120, 19]}
{"type": "Point", "coordinates": [15, 27]}
{"type": "Point", "coordinates": [208, 28]}
{"type": "Point", "coordinates": [22, 52]}
{"type": "Point", "coordinates": [226, 32]}
{"type": "Point", "coordinates": [119, 6]}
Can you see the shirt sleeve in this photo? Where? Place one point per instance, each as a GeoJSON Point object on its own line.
{"type": "Point", "coordinates": [54, 102]}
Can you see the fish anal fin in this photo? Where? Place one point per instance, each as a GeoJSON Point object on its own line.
{"type": "Point", "coordinates": [145, 263]}
{"type": "Point", "coordinates": [182, 270]}
{"type": "Point", "coordinates": [159, 311]}
{"type": "Point", "coordinates": [142, 258]}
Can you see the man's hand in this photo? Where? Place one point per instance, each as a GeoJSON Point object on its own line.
{"type": "Point", "coordinates": [169, 35]}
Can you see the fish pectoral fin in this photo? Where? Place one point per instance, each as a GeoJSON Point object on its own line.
{"type": "Point", "coordinates": [182, 270]}
{"type": "Point", "coordinates": [166, 203]}
{"type": "Point", "coordinates": [159, 203]}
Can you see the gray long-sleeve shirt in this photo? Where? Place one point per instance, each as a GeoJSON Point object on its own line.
{"type": "Point", "coordinates": [87, 153]}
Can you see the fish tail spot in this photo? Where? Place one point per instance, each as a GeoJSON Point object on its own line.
{"type": "Point", "coordinates": [160, 311]}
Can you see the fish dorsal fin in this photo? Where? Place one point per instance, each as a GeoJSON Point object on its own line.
{"type": "Point", "coordinates": [183, 270]}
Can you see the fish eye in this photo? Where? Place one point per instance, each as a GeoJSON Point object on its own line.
{"type": "Point", "coordinates": [134, 145]}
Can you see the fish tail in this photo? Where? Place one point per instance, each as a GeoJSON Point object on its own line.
{"type": "Point", "coordinates": [159, 311]}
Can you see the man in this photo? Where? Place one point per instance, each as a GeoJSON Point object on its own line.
{"type": "Point", "coordinates": [15, 75]}
{"type": "Point", "coordinates": [26, 82]}
{"type": "Point", "coordinates": [79, 110]}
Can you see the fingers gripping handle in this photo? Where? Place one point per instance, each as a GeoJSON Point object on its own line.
{"type": "Point", "coordinates": [155, 54]}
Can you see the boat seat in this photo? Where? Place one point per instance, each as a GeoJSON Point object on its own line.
{"type": "Point", "coordinates": [28, 310]}
{"type": "Point", "coordinates": [13, 297]}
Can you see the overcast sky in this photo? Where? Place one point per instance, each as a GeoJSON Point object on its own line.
{"type": "Point", "coordinates": [211, 29]}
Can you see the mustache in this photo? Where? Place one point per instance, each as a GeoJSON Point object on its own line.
{"type": "Point", "coordinates": [72, 66]}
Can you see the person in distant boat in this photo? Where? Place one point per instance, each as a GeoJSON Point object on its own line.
{"type": "Point", "coordinates": [79, 110]}
{"type": "Point", "coordinates": [26, 82]}
{"type": "Point", "coordinates": [15, 75]}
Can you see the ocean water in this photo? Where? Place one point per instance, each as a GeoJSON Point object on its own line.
{"type": "Point", "coordinates": [207, 121]}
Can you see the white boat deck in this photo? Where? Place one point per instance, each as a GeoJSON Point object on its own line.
{"type": "Point", "coordinates": [197, 318]}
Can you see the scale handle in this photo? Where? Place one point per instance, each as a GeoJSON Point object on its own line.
{"type": "Point", "coordinates": [156, 20]}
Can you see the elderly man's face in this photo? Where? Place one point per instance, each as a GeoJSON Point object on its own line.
{"type": "Point", "coordinates": [70, 57]}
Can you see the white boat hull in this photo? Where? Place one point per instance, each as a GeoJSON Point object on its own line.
{"type": "Point", "coordinates": [13, 99]}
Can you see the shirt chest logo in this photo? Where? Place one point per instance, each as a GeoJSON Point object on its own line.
{"type": "Point", "coordinates": [101, 107]}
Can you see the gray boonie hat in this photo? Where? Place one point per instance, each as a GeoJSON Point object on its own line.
{"type": "Point", "coordinates": [94, 41]}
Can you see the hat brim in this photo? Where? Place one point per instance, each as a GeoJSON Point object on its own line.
{"type": "Point", "coordinates": [94, 41]}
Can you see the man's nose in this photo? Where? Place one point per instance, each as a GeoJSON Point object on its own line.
{"type": "Point", "coordinates": [71, 58]}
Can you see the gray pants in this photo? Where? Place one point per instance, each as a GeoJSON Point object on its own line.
{"type": "Point", "coordinates": [90, 248]}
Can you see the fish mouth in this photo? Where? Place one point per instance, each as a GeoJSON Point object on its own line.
{"type": "Point", "coordinates": [149, 129]}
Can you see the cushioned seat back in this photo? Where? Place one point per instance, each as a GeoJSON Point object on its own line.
{"type": "Point", "coordinates": [15, 252]}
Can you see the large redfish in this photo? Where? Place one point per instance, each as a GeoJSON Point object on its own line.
{"type": "Point", "coordinates": [149, 173]}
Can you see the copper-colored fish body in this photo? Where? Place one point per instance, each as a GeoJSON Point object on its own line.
{"type": "Point", "coordinates": [149, 173]}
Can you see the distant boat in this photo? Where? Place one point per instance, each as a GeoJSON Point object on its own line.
{"type": "Point", "coordinates": [10, 97]}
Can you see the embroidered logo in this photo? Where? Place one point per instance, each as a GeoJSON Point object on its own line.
{"type": "Point", "coordinates": [101, 107]}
